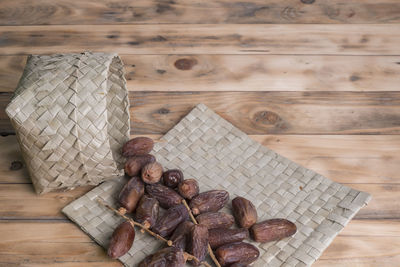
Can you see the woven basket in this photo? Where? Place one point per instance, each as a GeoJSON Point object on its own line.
{"type": "Point", "coordinates": [70, 113]}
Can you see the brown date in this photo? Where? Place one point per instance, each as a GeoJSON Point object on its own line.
{"type": "Point", "coordinates": [222, 236]}
{"type": "Point", "coordinates": [172, 178]}
{"type": "Point", "coordinates": [215, 220]}
{"type": "Point", "coordinates": [271, 230]}
{"type": "Point", "coordinates": [137, 146]}
{"type": "Point", "coordinates": [134, 164]}
{"type": "Point", "coordinates": [189, 188]}
{"type": "Point", "coordinates": [152, 172]}
{"type": "Point", "coordinates": [167, 223]}
{"type": "Point", "coordinates": [238, 252]}
{"type": "Point", "coordinates": [244, 211]}
{"type": "Point", "coordinates": [213, 200]}
{"type": "Point", "coordinates": [198, 242]}
{"type": "Point", "coordinates": [167, 257]}
{"type": "Point", "coordinates": [180, 236]}
{"type": "Point", "coordinates": [165, 195]}
{"type": "Point", "coordinates": [147, 211]}
{"type": "Point", "coordinates": [121, 240]}
{"type": "Point", "coordinates": [131, 194]}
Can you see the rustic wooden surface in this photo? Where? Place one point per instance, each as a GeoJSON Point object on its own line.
{"type": "Point", "coordinates": [317, 81]}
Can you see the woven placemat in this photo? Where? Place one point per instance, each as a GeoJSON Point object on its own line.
{"type": "Point", "coordinates": [220, 156]}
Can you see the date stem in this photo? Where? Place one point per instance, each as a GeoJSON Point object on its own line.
{"type": "Point", "coordinates": [195, 222]}
{"type": "Point", "coordinates": [144, 229]}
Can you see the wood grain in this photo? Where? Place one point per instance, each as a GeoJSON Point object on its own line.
{"type": "Point", "coordinates": [344, 158]}
{"type": "Point", "coordinates": [44, 244]}
{"type": "Point", "coordinates": [243, 72]}
{"type": "Point", "coordinates": [49, 12]}
{"type": "Point", "coordinates": [335, 39]}
{"type": "Point", "coordinates": [265, 112]}
{"type": "Point", "coordinates": [19, 202]}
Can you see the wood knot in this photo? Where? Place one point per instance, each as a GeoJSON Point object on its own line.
{"type": "Point", "coordinates": [185, 63]}
{"type": "Point", "coordinates": [16, 165]}
{"type": "Point", "coordinates": [163, 111]}
{"type": "Point", "coordinates": [267, 117]}
{"type": "Point", "coordinates": [307, 2]}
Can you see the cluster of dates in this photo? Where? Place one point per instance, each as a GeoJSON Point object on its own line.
{"type": "Point", "coordinates": [150, 188]}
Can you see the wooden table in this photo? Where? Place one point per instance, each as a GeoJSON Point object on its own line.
{"type": "Point", "coordinates": [317, 81]}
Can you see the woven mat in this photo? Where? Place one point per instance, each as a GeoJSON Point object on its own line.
{"type": "Point", "coordinates": [206, 147]}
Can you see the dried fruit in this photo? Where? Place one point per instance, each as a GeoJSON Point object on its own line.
{"type": "Point", "coordinates": [198, 242]}
{"type": "Point", "coordinates": [167, 257]}
{"type": "Point", "coordinates": [244, 211]}
{"type": "Point", "coordinates": [172, 178]}
{"type": "Point", "coordinates": [274, 229]}
{"type": "Point", "coordinates": [167, 223]}
{"type": "Point", "coordinates": [121, 240]}
{"type": "Point", "coordinates": [165, 195]}
{"type": "Point", "coordinates": [222, 236]}
{"type": "Point", "coordinates": [215, 220]}
{"type": "Point", "coordinates": [189, 188]}
{"type": "Point", "coordinates": [134, 164]}
{"type": "Point", "coordinates": [131, 194]}
{"type": "Point", "coordinates": [152, 172]}
{"type": "Point", "coordinates": [147, 211]}
{"type": "Point", "coordinates": [213, 200]}
{"type": "Point", "coordinates": [238, 252]}
{"type": "Point", "coordinates": [180, 236]}
{"type": "Point", "coordinates": [137, 146]}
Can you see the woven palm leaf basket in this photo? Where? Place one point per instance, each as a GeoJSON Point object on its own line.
{"type": "Point", "coordinates": [70, 113]}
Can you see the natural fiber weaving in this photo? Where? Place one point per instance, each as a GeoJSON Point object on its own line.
{"type": "Point", "coordinates": [208, 148]}
{"type": "Point", "coordinates": [70, 114]}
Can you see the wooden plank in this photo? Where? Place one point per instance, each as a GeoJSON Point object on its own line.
{"type": "Point", "coordinates": [47, 243]}
{"type": "Point", "coordinates": [194, 11]}
{"type": "Point", "coordinates": [265, 112]}
{"type": "Point", "coordinates": [338, 39]}
{"type": "Point", "coordinates": [344, 158]}
{"type": "Point", "coordinates": [34, 244]}
{"type": "Point", "coordinates": [18, 201]}
{"type": "Point", "coordinates": [243, 72]}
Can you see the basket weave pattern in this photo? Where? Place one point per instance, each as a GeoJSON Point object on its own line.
{"type": "Point", "coordinates": [210, 149]}
{"type": "Point", "coordinates": [70, 114]}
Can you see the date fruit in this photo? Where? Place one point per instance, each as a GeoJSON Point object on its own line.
{"type": "Point", "coordinates": [172, 178]}
{"type": "Point", "coordinates": [137, 146]}
{"type": "Point", "coordinates": [222, 236]}
{"type": "Point", "coordinates": [238, 252]}
{"type": "Point", "coordinates": [244, 211]}
{"type": "Point", "coordinates": [213, 200]}
{"type": "Point", "coordinates": [134, 164]}
{"type": "Point", "coordinates": [147, 211]}
{"type": "Point", "coordinates": [189, 188]}
{"type": "Point", "coordinates": [165, 195]}
{"type": "Point", "coordinates": [121, 240]}
{"type": "Point", "coordinates": [213, 220]}
{"type": "Point", "coordinates": [152, 172]}
{"type": "Point", "coordinates": [131, 194]}
{"type": "Point", "coordinates": [271, 230]}
{"type": "Point", "coordinates": [167, 223]}
{"type": "Point", "coordinates": [198, 242]}
{"type": "Point", "coordinates": [167, 257]}
{"type": "Point", "coordinates": [180, 236]}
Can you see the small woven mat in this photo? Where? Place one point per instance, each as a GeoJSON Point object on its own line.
{"type": "Point", "coordinates": [206, 147]}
